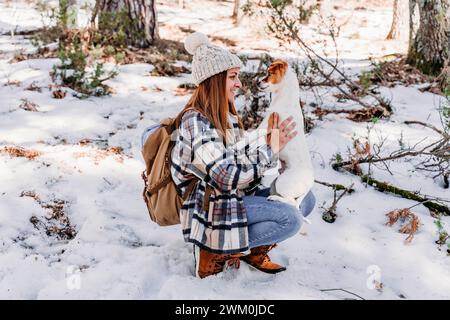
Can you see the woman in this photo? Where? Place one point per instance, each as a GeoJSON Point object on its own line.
{"type": "Point", "coordinates": [226, 216]}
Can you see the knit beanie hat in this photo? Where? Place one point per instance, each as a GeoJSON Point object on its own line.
{"type": "Point", "coordinates": [208, 59]}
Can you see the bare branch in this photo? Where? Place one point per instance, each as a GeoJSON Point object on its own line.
{"type": "Point", "coordinates": [445, 135]}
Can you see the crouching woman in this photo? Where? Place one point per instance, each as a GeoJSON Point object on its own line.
{"type": "Point", "coordinates": [226, 217]}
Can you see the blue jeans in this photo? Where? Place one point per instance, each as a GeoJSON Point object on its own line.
{"type": "Point", "coordinates": [271, 222]}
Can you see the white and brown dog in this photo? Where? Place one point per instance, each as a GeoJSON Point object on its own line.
{"type": "Point", "coordinates": [298, 178]}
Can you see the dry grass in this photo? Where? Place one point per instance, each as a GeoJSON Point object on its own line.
{"type": "Point", "coordinates": [163, 50]}
{"type": "Point", "coordinates": [28, 105]}
{"type": "Point", "coordinates": [97, 154]}
{"type": "Point", "coordinates": [11, 83]}
{"type": "Point", "coordinates": [33, 87]}
{"type": "Point", "coordinates": [57, 223]}
{"type": "Point", "coordinates": [404, 215]}
{"type": "Point", "coordinates": [58, 94]}
{"type": "Point", "coordinates": [362, 149]}
{"type": "Point", "coordinates": [397, 71]}
{"type": "Point", "coordinates": [362, 115]}
{"type": "Point", "coordinates": [18, 152]}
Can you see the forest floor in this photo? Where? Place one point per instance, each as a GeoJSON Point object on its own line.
{"type": "Point", "coordinates": [72, 221]}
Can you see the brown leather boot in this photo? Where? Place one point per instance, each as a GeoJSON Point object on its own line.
{"type": "Point", "coordinates": [208, 264]}
{"type": "Point", "coordinates": [259, 259]}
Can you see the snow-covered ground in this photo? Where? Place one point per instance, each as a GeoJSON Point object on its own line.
{"type": "Point", "coordinates": [119, 253]}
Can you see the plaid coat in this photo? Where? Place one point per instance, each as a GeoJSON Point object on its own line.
{"type": "Point", "coordinates": [232, 171]}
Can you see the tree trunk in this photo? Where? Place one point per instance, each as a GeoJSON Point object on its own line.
{"type": "Point", "coordinates": [429, 51]}
{"type": "Point", "coordinates": [413, 22]}
{"type": "Point", "coordinates": [136, 18]}
{"type": "Point", "coordinates": [235, 16]}
{"type": "Point", "coordinates": [394, 32]}
{"type": "Point", "coordinates": [399, 20]}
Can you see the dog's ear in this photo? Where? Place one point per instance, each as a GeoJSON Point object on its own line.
{"type": "Point", "coordinates": [277, 70]}
{"type": "Point", "coordinates": [280, 64]}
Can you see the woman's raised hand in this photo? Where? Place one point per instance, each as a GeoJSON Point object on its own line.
{"type": "Point", "coordinates": [279, 134]}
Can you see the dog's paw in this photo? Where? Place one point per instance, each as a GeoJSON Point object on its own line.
{"type": "Point", "coordinates": [274, 198]}
{"type": "Point", "coordinates": [292, 202]}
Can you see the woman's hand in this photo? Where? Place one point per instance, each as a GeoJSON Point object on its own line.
{"type": "Point", "coordinates": [278, 135]}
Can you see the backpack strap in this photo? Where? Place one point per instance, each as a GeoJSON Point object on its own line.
{"type": "Point", "coordinates": [166, 179]}
{"type": "Point", "coordinates": [206, 198]}
{"type": "Point", "coordinates": [154, 188]}
{"type": "Point", "coordinates": [178, 118]}
{"type": "Point", "coordinates": [189, 188]}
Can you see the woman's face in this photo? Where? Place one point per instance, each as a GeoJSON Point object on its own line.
{"type": "Point", "coordinates": [233, 83]}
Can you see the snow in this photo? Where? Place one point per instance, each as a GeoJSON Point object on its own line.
{"type": "Point", "coordinates": [118, 253]}
{"type": "Point", "coordinates": [21, 16]}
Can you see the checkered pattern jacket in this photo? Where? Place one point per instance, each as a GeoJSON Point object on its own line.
{"type": "Point", "coordinates": [232, 171]}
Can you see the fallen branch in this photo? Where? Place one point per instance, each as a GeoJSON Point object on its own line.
{"type": "Point", "coordinates": [330, 214]}
{"type": "Point", "coordinates": [339, 289]}
{"type": "Point", "coordinates": [386, 187]}
{"type": "Point", "coordinates": [437, 151]}
{"type": "Point", "coordinates": [363, 115]}
{"type": "Point", "coordinates": [372, 159]}
{"type": "Point", "coordinates": [336, 187]}
{"type": "Point", "coordinates": [437, 155]}
{"type": "Point", "coordinates": [430, 126]}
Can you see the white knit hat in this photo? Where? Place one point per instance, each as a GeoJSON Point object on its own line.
{"type": "Point", "coordinates": [208, 59]}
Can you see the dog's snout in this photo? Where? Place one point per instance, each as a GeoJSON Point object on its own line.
{"type": "Point", "coordinates": [262, 83]}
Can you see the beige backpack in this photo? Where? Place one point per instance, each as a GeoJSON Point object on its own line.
{"type": "Point", "coordinates": [161, 195]}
